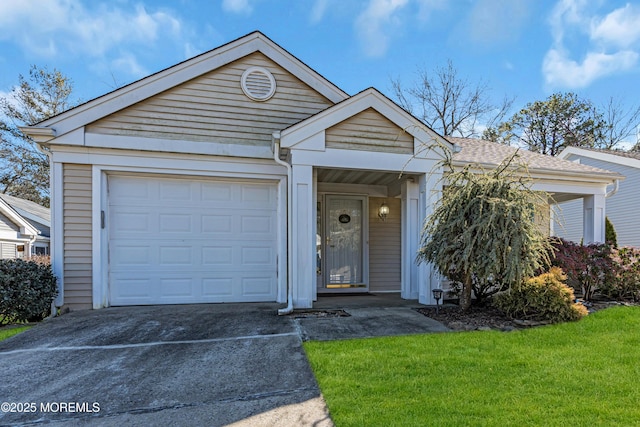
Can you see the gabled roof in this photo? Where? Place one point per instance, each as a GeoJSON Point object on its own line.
{"type": "Point", "coordinates": [491, 154]}
{"type": "Point", "coordinates": [156, 83]}
{"type": "Point", "coordinates": [626, 158]}
{"type": "Point", "coordinates": [368, 98]}
{"type": "Point", "coordinates": [10, 212]}
{"type": "Point", "coordinates": [28, 209]}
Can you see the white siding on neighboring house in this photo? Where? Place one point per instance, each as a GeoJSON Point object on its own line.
{"type": "Point", "coordinates": [213, 108]}
{"type": "Point", "coordinates": [621, 209]}
{"type": "Point", "coordinates": [7, 250]}
{"type": "Point", "coordinates": [384, 246]}
{"type": "Point", "coordinates": [8, 227]}
{"type": "Point", "coordinates": [77, 236]}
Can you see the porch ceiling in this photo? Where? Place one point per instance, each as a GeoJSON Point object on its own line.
{"type": "Point", "coordinates": [365, 177]}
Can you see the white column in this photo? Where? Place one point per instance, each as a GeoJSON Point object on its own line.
{"type": "Point", "coordinates": [304, 240]}
{"type": "Point", "coordinates": [410, 239]}
{"type": "Point", "coordinates": [594, 218]}
{"type": "Point", "coordinates": [56, 245]}
{"type": "Point", "coordinates": [430, 193]}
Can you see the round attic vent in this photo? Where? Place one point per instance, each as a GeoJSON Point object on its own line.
{"type": "Point", "coordinates": [258, 83]}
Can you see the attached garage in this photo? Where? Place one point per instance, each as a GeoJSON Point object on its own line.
{"type": "Point", "coordinates": [191, 240]}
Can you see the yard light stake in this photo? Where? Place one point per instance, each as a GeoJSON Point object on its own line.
{"type": "Point", "coordinates": [437, 294]}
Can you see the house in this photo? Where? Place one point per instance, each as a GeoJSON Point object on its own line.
{"type": "Point", "coordinates": [242, 175]}
{"type": "Point", "coordinates": [623, 203]}
{"type": "Point", "coordinates": [24, 228]}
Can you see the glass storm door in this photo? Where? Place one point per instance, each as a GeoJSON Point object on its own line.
{"type": "Point", "coordinates": [344, 237]}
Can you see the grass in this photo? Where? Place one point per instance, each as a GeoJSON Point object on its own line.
{"type": "Point", "coordinates": [584, 373]}
{"type": "Point", "coordinates": [9, 332]}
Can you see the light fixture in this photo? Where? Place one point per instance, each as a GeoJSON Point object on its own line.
{"type": "Point", "coordinates": [383, 211]}
{"type": "Point", "coordinates": [437, 294]}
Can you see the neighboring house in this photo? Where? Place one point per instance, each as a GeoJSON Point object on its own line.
{"type": "Point", "coordinates": [623, 205]}
{"type": "Point", "coordinates": [24, 228]}
{"type": "Point", "coordinates": [242, 175]}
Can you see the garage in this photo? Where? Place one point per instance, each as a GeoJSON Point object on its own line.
{"type": "Point", "coordinates": [185, 240]}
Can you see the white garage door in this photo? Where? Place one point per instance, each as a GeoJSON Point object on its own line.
{"type": "Point", "coordinates": [177, 241]}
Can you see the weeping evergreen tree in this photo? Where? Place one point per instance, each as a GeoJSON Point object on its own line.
{"type": "Point", "coordinates": [484, 226]}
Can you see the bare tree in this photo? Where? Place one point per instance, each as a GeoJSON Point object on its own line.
{"type": "Point", "coordinates": [621, 123]}
{"type": "Point", "coordinates": [24, 169]}
{"type": "Point", "coordinates": [450, 104]}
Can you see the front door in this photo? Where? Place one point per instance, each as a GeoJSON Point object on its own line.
{"type": "Point", "coordinates": [344, 242]}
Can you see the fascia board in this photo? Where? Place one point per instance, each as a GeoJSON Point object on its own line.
{"type": "Point", "coordinates": [25, 227]}
{"type": "Point", "coordinates": [551, 174]}
{"type": "Point", "coordinates": [370, 98]}
{"type": "Point", "coordinates": [598, 155]}
{"type": "Point", "coordinates": [180, 73]}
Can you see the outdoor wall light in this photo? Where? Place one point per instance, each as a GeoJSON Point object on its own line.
{"type": "Point", "coordinates": [437, 294]}
{"type": "Point", "coordinates": [383, 211]}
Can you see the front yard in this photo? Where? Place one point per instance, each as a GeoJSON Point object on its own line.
{"type": "Point", "coordinates": [579, 373]}
{"type": "Point", "coordinates": [8, 332]}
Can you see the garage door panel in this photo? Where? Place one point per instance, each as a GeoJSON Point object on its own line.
{"type": "Point", "coordinates": [196, 250]}
{"type": "Point", "coordinates": [256, 286]}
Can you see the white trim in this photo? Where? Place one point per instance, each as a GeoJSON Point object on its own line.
{"type": "Point", "coordinates": [25, 227]}
{"type": "Point", "coordinates": [177, 146]}
{"type": "Point", "coordinates": [215, 168]}
{"type": "Point", "coordinates": [599, 155]}
{"type": "Point", "coordinates": [335, 158]}
{"type": "Point", "coordinates": [57, 229]}
{"type": "Point", "coordinates": [369, 98]}
{"type": "Point", "coordinates": [185, 71]}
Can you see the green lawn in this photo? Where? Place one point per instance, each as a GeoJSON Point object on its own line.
{"type": "Point", "coordinates": [9, 332]}
{"type": "Point", "coordinates": [575, 374]}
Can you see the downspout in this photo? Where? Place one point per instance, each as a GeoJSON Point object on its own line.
{"type": "Point", "coordinates": [614, 191]}
{"type": "Point", "coordinates": [276, 157]}
{"type": "Point", "coordinates": [54, 307]}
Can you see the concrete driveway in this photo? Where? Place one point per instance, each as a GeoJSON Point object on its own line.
{"type": "Point", "coordinates": [208, 365]}
{"type": "Point", "coordinates": [214, 364]}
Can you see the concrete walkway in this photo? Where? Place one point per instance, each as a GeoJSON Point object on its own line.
{"type": "Point", "coordinates": [213, 364]}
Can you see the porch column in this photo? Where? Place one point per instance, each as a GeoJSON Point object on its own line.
{"type": "Point", "coordinates": [410, 239]}
{"type": "Point", "coordinates": [304, 240]}
{"type": "Point", "coordinates": [430, 193]}
{"type": "Point", "coordinates": [594, 218]}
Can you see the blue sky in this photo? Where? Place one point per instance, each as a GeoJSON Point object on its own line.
{"type": "Point", "coordinates": [523, 48]}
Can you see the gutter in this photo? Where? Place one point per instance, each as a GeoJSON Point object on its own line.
{"type": "Point", "coordinates": [615, 189]}
{"type": "Point", "coordinates": [275, 145]}
{"type": "Point", "coordinates": [42, 135]}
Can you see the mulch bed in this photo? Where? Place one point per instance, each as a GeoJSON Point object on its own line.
{"type": "Point", "coordinates": [489, 318]}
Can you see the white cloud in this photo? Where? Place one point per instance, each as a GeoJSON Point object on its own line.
{"type": "Point", "coordinates": [496, 21]}
{"type": "Point", "coordinates": [237, 6]}
{"type": "Point", "coordinates": [609, 44]}
{"type": "Point", "coordinates": [427, 7]}
{"type": "Point", "coordinates": [376, 23]}
{"type": "Point", "coordinates": [128, 64]}
{"type": "Point", "coordinates": [562, 71]}
{"type": "Point", "coordinates": [318, 10]}
{"type": "Point", "coordinates": [619, 28]}
{"type": "Point", "coordinates": [53, 27]}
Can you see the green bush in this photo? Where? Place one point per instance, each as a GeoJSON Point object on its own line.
{"type": "Point", "coordinates": [544, 298]}
{"type": "Point", "coordinates": [610, 235]}
{"type": "Point", "coordinates": [26, 291]}
{"type": "Point", "coordinates": [625, 285]}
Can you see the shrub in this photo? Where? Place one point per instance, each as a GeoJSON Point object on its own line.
{"type": "Point", "coordinates": [26, 291]}
{"type": "Point", "coordinates": [610, 235]}
{"type": "Point", "coordinates": [626, 281]}
{"type": "Point", "coordinates": [482, 289]}
{"type": "Point", "coordinates": [588, 268]}
{"type": "Point", "coordinates": [544, 297]}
